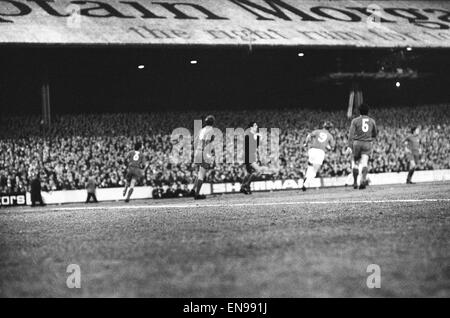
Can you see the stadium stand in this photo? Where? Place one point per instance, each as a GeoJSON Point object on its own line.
{"type": "Point", "coordinates": [77, 146]}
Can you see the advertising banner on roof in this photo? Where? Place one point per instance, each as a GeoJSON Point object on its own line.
{"type": "Point", "coordinates": [309, 23]}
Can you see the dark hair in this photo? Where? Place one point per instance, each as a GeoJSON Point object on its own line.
{"type": "Point", "coordinates": [364, 109]}
{"type": "Point", "coordinates": [413, 129]}
{"type": "Point", "coordinates": [251, 124]}
{"type": "Point", "coordinates": [209, 120]}
{"type": "Point", "coordinates": [328, 125]}
{"type": "Point", "coordinates": [137, 146]}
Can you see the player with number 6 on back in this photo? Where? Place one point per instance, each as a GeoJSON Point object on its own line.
{"type": "Point", "coordinates": [363, 130]}
{"type": "Point", "coordinates": [321, 140]}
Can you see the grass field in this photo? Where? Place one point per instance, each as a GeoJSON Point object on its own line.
{"type": "Point", "coordinates": [279, 244]}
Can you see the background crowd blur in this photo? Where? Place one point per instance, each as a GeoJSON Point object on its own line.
{"type": "Point", "coordinates": [77, 147]}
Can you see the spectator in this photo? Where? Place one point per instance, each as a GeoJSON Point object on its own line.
{"type": "Point", "coordinates": [77, 146]}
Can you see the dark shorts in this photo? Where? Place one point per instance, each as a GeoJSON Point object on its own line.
{"type": "Point", "coordinates": [249, 167]}
{"type": "Point", "coordinates": [134, 173]}
{"type": "Point", "coordinates": [413, 156]}
{"type": "Point", "coordinates": [200, 161]}
{"type": "Point", "coordinates": [361, 148]}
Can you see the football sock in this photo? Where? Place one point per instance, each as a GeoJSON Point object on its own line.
{"type": "Point", "coordinates": [247, 180]}
{"type": "Point", "coordinates": [195, 186]}
{"type": "Point", "coordinates": [198, 186]}
{"type": "Point", "coordinates": [364, 175]}
{"type": "Point", "coordinates": [130, 192]}
{"type": "Point", "coordinates": [310, 174]}
{"type": "Point", "coordinates": [244, 181]}
{"type": "Point", "coordinates": [410, 173]}
{"type": "Point", "coordinates": [355, 175]}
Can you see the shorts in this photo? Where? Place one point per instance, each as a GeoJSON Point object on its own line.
{"type": "Point", "coordinates": [361, 148]}
{"type": "Point", "coordinates": [201, 161]}
{"type": "Point", "coordinates": [251, 167]}
{"type": "Point", "coordinates": [413, 156]}
{"type": "Point", "coordinates": [316, 156]}
{"type": "Point", "coordinates": [134, 173]}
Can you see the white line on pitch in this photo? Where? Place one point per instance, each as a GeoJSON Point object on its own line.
{"type": "Point", "coordinates": [218, 205]}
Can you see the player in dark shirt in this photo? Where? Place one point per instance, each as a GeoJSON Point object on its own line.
{"type": "Point", "coordinates": [135, 161]}
{"type": "Point", "coordinates": [91, 187]}
{"type": "Point", "coordinates": [363, 131]}
{"type": "Point", "coordinates": [252, 167]}
{"type": "Point", "coordinates": [252, 159]}
{"type": "Point", "coordinates": [412, 144]}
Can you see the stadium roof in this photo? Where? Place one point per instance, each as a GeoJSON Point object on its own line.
{"type": "Point", "coordinates": [311, 23]}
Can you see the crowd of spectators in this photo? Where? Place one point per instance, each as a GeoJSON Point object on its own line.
{"type": "Point", "coordinates": [76, 147]}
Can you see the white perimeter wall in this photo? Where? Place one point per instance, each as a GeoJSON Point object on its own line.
{"type": "Point", "coordinates": [114, 194]}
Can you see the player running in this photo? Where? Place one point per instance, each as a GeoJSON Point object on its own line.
{"type": "Point", "coordinates": [135, 171]}
{"type": "Point", "coordinates": [412, 144]}
{"type": "Point", "coordinates": [203, 159]}
{"type": "Point", "coordinates": [363, 130]}
{"type": "Point", "coordinates": [252, 167]}
{"type": "Point", "coordinates": [321, 140]}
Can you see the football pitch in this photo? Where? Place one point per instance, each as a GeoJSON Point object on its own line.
{"type": "Point", "coordinates": [274, 244]}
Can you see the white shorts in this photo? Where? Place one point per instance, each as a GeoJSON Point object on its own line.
{"type": "Point", "coordinates": [316, 156]}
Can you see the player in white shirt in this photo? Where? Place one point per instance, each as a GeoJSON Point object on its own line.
{"type": "Point", "coordinates": [321, 140]}
{"type": "Point", "coordinates": [202, 159]}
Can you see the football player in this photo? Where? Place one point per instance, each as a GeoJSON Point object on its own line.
{"type": "Point", "coordinates": [363, 130]}
{"type": "Point", "coordinates": [203, 159]}
{"type": "Point", "coordinates": [412, 144]}
{"type": "Point", "coordinates": [135, 170]}
{"type": "Point", "coordinates": [252, 165]}
{"type": "Point", "coordinates": [321, 140]}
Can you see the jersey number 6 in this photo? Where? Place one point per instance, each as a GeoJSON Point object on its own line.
{"type": "Point", "coordinates": [365, 125]}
